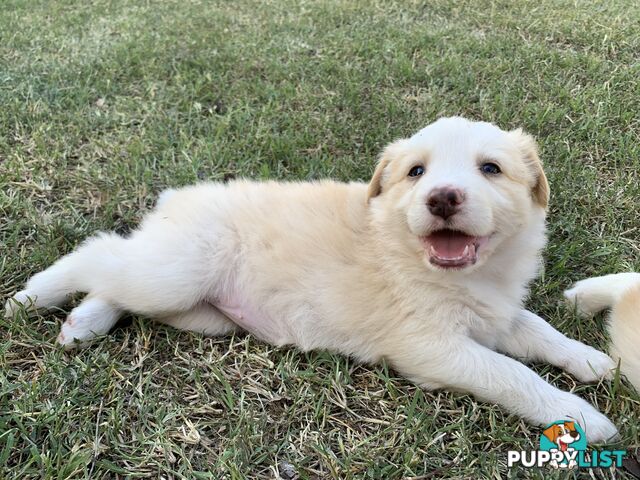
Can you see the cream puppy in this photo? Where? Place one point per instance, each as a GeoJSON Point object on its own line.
{"type": "Point", "coordinates": [426, 267]}
{"type": "Point", "coordinates": [621, 293]}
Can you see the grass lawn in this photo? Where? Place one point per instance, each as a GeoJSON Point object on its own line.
{"type": "Point", "coordinates": [105, 103]}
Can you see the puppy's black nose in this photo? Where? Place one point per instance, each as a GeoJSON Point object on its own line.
{"type": "Point", "coordinates": [574, 434]}
{"type": "Point", "coordinates": [445, 201]}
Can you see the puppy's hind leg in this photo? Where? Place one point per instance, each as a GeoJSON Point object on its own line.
{"type": "Point", "coordinates": [52, 287]}
{"type": "Point", "coordinates": [204, 318]}
{"type": "Point", "coordinates": [150, 273]}
{"type": "Point", "coordinates": [593, 295]}
{"type": "Point", "coordinates": [96, 316]}
{"type": "Point", "coordinates": [93, 317]}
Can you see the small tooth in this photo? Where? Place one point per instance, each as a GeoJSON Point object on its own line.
{"type": "Point", "coordinates": [465, 252]}
{"type": "Point", "coordinates": [432, 251]}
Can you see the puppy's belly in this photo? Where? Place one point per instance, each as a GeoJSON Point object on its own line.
{"type": "Point", "coordinates": [249, 317]}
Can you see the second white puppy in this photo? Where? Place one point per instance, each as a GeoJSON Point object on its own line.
{"type": "Point", "coordinates": [426, 267]}
{"type": "Point", "coordinates": [621, 293]}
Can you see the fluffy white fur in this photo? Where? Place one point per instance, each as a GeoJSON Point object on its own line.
{"type": "Point", "coordinates": [347, 267]}
{"type": "Point", "coordinates": [621, 293]}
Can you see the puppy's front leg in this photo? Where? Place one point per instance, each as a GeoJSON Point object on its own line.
{"type": "Point", "coordinates": [533, 339]}
{"type": "Point", "coordinates": [460, 363]}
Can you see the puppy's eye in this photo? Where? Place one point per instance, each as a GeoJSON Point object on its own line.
{"type": "Point", "coordinates": [490, 168]}
{"type": "Point", "coordinates": [416, 171]}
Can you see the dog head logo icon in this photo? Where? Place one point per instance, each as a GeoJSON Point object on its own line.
{"type": "Point", "coordinates": [564, 437]}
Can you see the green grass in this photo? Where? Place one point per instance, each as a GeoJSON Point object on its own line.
{"type": "Point", "coordinates": [105, 103]}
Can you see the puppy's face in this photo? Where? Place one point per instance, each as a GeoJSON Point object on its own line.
{"type": "Point", "coordinates": [459, 189]}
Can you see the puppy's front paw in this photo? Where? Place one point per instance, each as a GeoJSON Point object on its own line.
{"type": "Point", "coordinates": [596, 426]}
{"type": "Point", "coordinates": [599, 429]}
{"type": "Point", "coordinates": [588, 364]}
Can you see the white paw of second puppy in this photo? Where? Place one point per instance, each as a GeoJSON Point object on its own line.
{"type": "Point", "coordinates": [584, 296]}
{"type": "Point", "coordinates": [596, 426]}
{"type": "Point", "coordinates": [588, 364]}
{"type": "Point", "coordinates": [595, 294]}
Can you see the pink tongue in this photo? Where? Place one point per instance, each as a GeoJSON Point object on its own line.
{"type": "Point", "coordinates": [449, 244]}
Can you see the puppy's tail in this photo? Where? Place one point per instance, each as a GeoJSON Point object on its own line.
{"type": "Point", "coordinates": [621, 293]}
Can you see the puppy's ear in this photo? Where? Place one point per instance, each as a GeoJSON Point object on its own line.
{"type": "Point", "coordinates": [389, 153]}
{"type": "Point", "coordinates": [529, 149]}
{"type": "Point", "coordinates": [551, 433]}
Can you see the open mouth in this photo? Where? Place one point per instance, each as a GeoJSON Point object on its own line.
{"type": "Point", "coordinates": [452, 249]}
